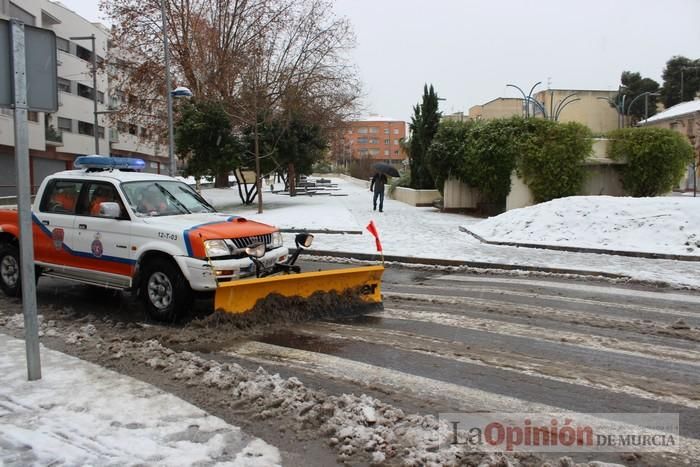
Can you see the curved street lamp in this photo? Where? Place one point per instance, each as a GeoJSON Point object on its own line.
{"type": "Point", "coordinates": [528, 98]}
{"type": "Point", "coordinates": [646, 102]}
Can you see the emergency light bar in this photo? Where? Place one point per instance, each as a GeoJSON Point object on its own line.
{"type": "Point", "coordinates": [108, 163]}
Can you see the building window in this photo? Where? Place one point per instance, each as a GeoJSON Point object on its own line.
{"type": "Point", "coordinates": [63, 85]}
{"type": "Point", "coordinates": [374, 129]}
{"type": "Point", "coordinates": [396, 153]}
{"type": "Point", "coordinates": [373, 141]}
{"type": "Point", "coordinates": [386, 152]}
{"type": "Point", "coordinates": [100, 97]}
{"type": "Point", "coordinates": [396, 131]}
{"type": "Point", "coordinates": [374, 152]}
{"type": "Point", "coordinates": [65, 124]}
{"type": "Point", "coordinates": [101, 132]}
{"type": "Point", "coordinates": [362, 131]}
{"type": "Point", "coordinates": [84, 91]}
{"type": "Point", "coordinates": [362, 140]}
{"type": "Point", "coordinates": [33, 116]}
{"type": "Point", "coordinates": [396, 141]}
{"type": "Point", "coordinates": [133, 129]}
{"type": "Point", "coordinates": [83, 53]}
{"type": "Point", "coordinates": [387, 141]}
{"type": "Point", "coordinates": [363, 152]}
{"type": "Point", "coordinates": [386, 131]}
{"type": "Point", "coordinates": [85, 128]}
{"type": "Point", "coordinates": [62, 44]}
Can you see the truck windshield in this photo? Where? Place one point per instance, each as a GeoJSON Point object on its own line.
{"type": "Point", "coordinates": [163, 198]}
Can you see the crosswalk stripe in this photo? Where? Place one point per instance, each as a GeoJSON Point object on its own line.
{"type": "Point", "coordinates": [621, 383]}
{"type": "Point", "coordinates": [639, 349]}
{"type": "Point", "coordinates": [542, 296]}
{"type": "Point", "coordinates": [668, 296]}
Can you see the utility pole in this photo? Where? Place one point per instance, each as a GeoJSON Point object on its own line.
{"type": "Point", "coordinates": [172, 171]}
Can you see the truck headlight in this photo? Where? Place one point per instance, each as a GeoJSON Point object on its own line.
{"type": "Point", "coordinates": [276, 241]}
{"type": "Point", "coordinates": [216, 248]}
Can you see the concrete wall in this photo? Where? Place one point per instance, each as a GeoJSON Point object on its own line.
{"type": "Point", "coordinates": [595, 113]}
{"type": "Point", "coordinates": [415, 197]}
{"type": "Point", "coordinates": [520, 195]}
{"type": "Point", "coordinates": [459, 195]}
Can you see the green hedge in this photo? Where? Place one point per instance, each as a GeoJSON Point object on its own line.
{"type": "Point", "coordinates": [483, 154]}
{"type": "Point", "coordinates": [656, 159]}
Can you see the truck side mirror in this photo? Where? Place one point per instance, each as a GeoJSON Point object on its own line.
{"type": "Point", "coordinates": [110, 210]}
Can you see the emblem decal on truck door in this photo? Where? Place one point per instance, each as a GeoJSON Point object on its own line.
{"type": "Point", "coordinates": [57, 237]}
{"type": "Point", "coordinates": [96, 246]}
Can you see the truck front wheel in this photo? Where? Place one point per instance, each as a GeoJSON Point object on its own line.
{"type": "Point", "coordinates": [164, 290]}
{"type": "Point", "coordinates": [9, 270]}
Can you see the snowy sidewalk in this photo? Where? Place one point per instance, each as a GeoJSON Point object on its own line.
{"type": "Point", "coordinates": [428, 233]}
{"type": "Point", "coordinates": [81, 414]}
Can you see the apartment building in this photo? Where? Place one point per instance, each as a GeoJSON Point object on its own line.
{"type": "Point", "coordinates": [56, 139]}
{"type": "Point", "coordinates": [374, 137]}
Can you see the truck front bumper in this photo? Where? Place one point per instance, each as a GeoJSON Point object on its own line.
{"type": "Point", "coordinates": [205, 275]}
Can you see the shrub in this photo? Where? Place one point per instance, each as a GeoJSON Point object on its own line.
{"type": "Point", "coordinates": [657, 159]}
{"type": "Point", "coordinates": [446, 154]}
{"type": "Point", "coordinates": [552, 158]}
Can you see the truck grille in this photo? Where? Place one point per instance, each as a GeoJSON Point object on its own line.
{"type": "Point", "coordinates": [244, 242]}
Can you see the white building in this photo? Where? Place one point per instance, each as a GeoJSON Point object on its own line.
{"type": "Point", "coordinates": [56, 139]}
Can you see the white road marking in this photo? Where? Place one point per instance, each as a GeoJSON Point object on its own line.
{"type": "Point", "coordinates": [542, 296]}
{"type": "Point", "coordinates": [584, 341]}
{"type": "Point", "coordinates": [687, 298]}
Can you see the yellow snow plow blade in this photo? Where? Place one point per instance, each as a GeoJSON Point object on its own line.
{"type": "Point", "coordinates": [241, 296]}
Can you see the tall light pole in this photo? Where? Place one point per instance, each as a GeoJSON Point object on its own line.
{"type": "Point", "coordinates": [528, 99]}
{"type": "Point", "coordinates": [646, 102]}
{"type": "Point", "coordinates": [94, 86]}
{"type": "Point", "coordinates": [168, 95]}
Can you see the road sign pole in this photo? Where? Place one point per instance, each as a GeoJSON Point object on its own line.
{"type": "Point", "coordinates": [26, 246]}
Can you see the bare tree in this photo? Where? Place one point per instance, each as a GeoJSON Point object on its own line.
{"type": "Point", "coordinates": [261, 58]}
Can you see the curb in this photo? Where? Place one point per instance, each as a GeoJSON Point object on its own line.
{"type": "Point", "coordinates": [323, 231]}
{"type": "Point", "coordinates": [456, 263]}
{"type": "Point", "coordinates": [574, 249]}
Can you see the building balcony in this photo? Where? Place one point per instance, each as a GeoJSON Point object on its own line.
{"type": "Point", "coordinates": [53, 137]}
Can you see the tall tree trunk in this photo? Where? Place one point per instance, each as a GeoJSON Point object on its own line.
{"type": "Point", "coordinates": [221, 180]}
{"type": "Point", "coordinates": [292, 179]}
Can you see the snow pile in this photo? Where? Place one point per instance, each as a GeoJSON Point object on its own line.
{"type": "Point", "coordinates": [82, 414]}
{"type": "Point", "coordinates": [669, 225]}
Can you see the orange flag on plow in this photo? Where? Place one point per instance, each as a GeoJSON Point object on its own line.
{"type": "Point", "coordinates": [373, 230]}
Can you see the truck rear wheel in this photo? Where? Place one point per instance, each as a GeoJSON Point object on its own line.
{"type": "Point", "coordinates": [9, 270]}
{"type": "Point", "coordinates": [164, 290]}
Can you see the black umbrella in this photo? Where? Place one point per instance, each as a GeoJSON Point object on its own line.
{"type": "Point", "coordinates": [386, 169]}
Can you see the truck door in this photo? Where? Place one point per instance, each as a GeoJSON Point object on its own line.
{"type": "Point", "coordinates": [104, 244]}
{"type": "Point", "coordinates": [53, 223]}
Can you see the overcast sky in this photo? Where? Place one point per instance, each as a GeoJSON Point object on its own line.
{"type": "Point", "coordinates": [470, 49]}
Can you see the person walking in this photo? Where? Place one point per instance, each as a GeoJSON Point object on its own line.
{"type": "Point", "coordinates": [377, 186]}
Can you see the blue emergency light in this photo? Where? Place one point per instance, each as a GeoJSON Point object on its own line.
{"type": "Point", "coordinates": [109, 163]}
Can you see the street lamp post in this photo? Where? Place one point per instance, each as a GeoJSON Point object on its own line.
{"type": "Point", "coordinates": [529, 99]}
{"type": "Point", "coordinates": [94, 86]}
{"type": "Point", "coordinates": [646, 102]}
{"type": "Point", "coordinates": [172, 170]}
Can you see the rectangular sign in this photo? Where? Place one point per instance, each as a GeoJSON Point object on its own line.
{"type": "Point", "coordinates": [40, 53]}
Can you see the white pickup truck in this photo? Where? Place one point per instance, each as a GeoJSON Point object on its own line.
{"type": "Point", "coordinates": [105, 224]}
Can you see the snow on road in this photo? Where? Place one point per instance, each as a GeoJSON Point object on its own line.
{"type": "Point", "coordinates": [668, 225]}
{"type": "Point", "coordinates": [82, 414]}
{"type": "Point", "coordinates": [427, 233]}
